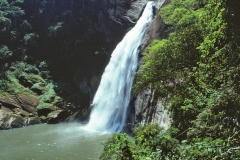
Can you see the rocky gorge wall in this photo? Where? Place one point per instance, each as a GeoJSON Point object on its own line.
{"type": "Point", "coordinates": [75, 39]}
{"type": "Point", "coordinates": [78, 36]}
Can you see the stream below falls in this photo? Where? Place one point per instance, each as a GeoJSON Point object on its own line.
{"type": "Point", "coordinates": [66, 141]}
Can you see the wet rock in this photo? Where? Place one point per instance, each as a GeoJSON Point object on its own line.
{"type": "Point", "coordinates": [54, 114]}
{"type": "Point", "coordinates": [9, 120]}
{"type": "Point", "coordinates": [82, 115]}
{"type": "Point", "coordinates": [21, 112]}
{"type": "Point", "coordinates": [150, 110]}
{"type": "Point", "coordinates": [57, 116]}
{"type": "Point", "coordinates": [15, 121]}
{"type": "Point", "coordinates": [3, 115]}
{"type": "Point", "coordinates": [33, 120]}
{"type": "Point", "coordinates": [10, 103]}
{"type": "Point", "coordinates": [21, 101]}
{"type": "Point", "coordinates": [27, 102]}
{"type": "Point", "coordinates": [14, 111]}
{"type": "Point", "coordinates": [156, 30]}
{"type": "Point", "coordinates": [45, 110]}
{"type": "Point", "coordinates": [137, 8]}
{"type": "Point", "coordinates": [5, 108]}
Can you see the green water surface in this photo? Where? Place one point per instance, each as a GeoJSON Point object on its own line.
{"type": "Point", "coordinates": [66, 141]}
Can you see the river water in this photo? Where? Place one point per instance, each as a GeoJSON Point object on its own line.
{"type": "Point", "coordinates": [66, 141]}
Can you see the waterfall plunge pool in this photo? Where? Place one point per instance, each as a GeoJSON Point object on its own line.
{"type": "Point", "coordinates": [71, 141]}
{"type": "Point", "coordinates": [65, 141]}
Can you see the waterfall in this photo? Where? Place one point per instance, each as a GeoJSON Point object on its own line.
{"type": "Point", "coordinates": [112, 98]}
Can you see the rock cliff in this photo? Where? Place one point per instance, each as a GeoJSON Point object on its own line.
{"type": "Point", "coordinates": [74, 39]}
{"type": "Point", "coordinates": [148, 109]}
{"type": "Point", "coordinates": [78, 36]}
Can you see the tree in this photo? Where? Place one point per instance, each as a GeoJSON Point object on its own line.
{"type": "Point", "coordinates": [196, 71]}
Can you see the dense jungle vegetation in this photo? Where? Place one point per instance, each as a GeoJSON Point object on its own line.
{"type": "Point", "coordinates": [24, 70]}
{"type": "Point", "coordinates": [40, 38]}
{"type": "Point", "coordinates": [196, 73]}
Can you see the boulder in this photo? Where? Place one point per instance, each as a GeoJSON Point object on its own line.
{"type": "Point", "coordinates": [10, 103]}
{"type": "Point", "coordinates": [3, 115]}
{"type": "Point", "coordinates": [21, 101]}
{"type": "Point", "coordinates": [33, 120]}
{"type": "Point", "coordinates": [46, 109]}
{"type": "Point", "coordinates": [54, 114]}
{"type": "Point", "coordinates": [57, 116]}
{"type": "Point", "coordinates": [27, 102]}
{"type": "Point", "coordinates": [9, 120]}
{"type": "Point", "coordinates": [15, 121]}
{"type": "Point", "coordinates": [15, 110]}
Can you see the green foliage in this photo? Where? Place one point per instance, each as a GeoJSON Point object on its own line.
{"type": "Point", "coordinates": [25, 79]}
{"type": "Point", "coordinates": [30, 39]}
{"type": "Point", "coordinates": [49, 98]}
{"type": "Point", "coordinates": [20, 79]}
{"type": "Point", "coordinates": [3, 3]}
{"type": "Point", "coordinates": [5, 22]}
{"type": "Point", "coordinates": [167, 62]}
{"type": "Point", "coordinates": [118, 147]}
{"type": "Point", "coordinates": [12, 86]}
{"type": "Point", "coordinates": [151, 142]}
{"type": "Point", "coordinates": [17, 1]}
{"type": "Point", "coordinates": [55, 30]}
{"type": "Point", "coordinates": [25, 25]}
{"type": "Point", "coordinates": [180, 14]}
{"type": "Point", "coordinates": [5, 52]}
{"type": "Point", "coordinates": [196, 72]}
{"type": "Point", "coordinates": [12, 11]}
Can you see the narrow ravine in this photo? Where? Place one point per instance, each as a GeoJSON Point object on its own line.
{"type": "Point", "coordinates": [111, 101]}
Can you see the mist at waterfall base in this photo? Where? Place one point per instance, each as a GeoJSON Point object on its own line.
{"type": "Point", "coordinates": [112, 98]}
{"type": "Point", "coordinates": [71, 140]}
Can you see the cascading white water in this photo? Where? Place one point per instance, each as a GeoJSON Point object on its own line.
{"type": "Point", "coordinates": [113, 95]}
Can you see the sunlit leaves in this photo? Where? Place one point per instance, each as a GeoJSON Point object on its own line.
{"type": "Point", "coordinates": [180, 14]}
{"type": "Point", "coordinates": [200, 61]}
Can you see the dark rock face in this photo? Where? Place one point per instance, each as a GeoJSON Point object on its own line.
{"type": "Point", "coordinates": [148, 109]}
{"type": "Point", "coordinates": [89, 20]}
{"type": "Point", "coordinates": [78, 36]}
